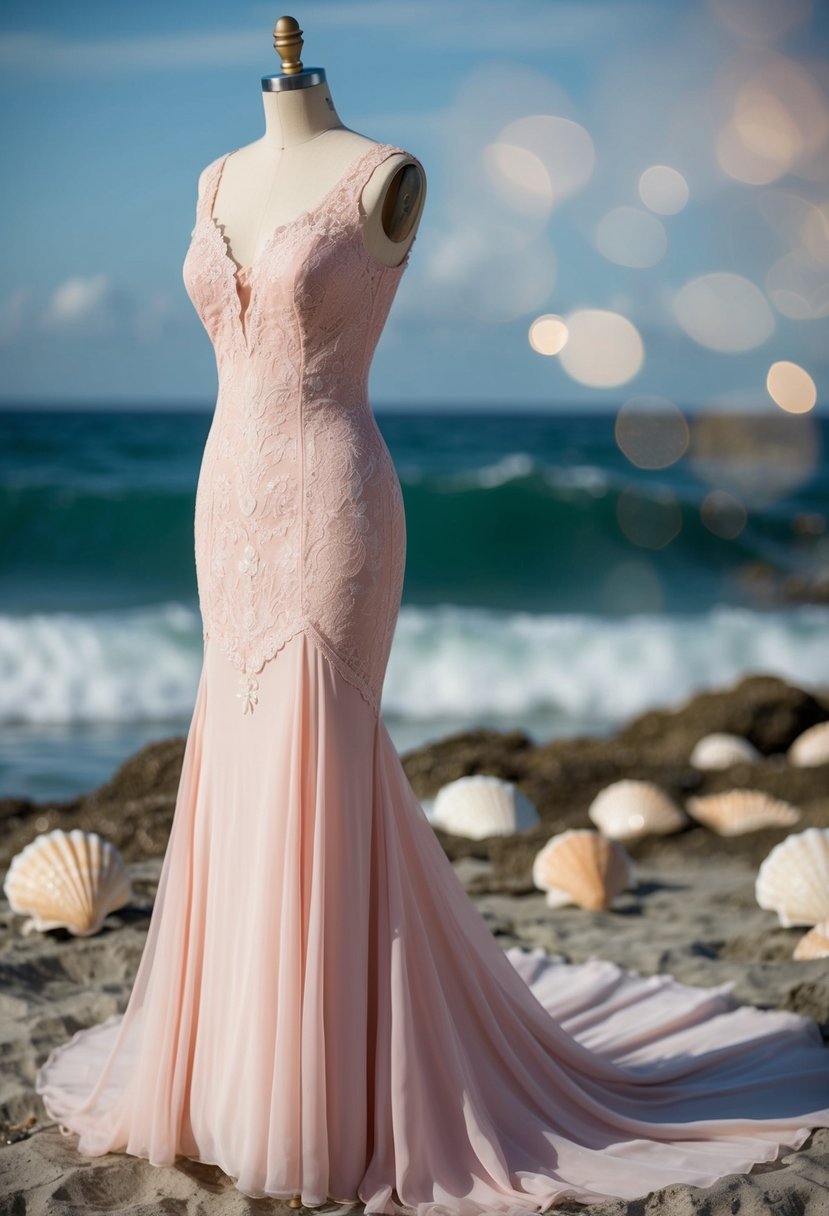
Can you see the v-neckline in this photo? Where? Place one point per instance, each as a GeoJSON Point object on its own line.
{"type": "Point", "coordinates": [302, 217]}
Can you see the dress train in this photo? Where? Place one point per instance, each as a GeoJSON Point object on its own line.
{"type": "Point", "coordinates": [321, 1010]}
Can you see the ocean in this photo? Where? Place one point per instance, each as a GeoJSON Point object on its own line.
{"type": "Point", "coordinates": [551, 584]}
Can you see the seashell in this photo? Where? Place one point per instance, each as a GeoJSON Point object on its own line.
{"type": "Point", "coordinates": [67, 880]}
{"type": "Point", "coordinates": [583, 867]}
{"type": "Point", "coordinates": [721, 750]}
{"type": "Point", "coordinates": [628, 808]}
{"type": "Point", "coordinates": [480, 805]}
{"type": "Point", "coordinates": [811, 748]}
{"type": "Point", "coordinates": [815, 943]}
{"type": "Point", "coordinates": [739, 811]}
{"type": "Point", "coordinates": [793, 881]}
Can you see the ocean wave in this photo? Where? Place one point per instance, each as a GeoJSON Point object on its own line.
{"type": "Point", "coordinates": [512, 467]}
{"type": "Point", "coordinates": [450, 663]}
{"type": "Point", "coordinates": [516, 533]}
{"type": "Point", "coordinates": [461, 663]}
{"type": "Point", "coordinates": [115, 666]}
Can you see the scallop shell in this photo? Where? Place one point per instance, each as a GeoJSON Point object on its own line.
{"type": "Point", "coordinates": [627, 809]}
{"type": "Point", "coordinates": [793, 881]}
{"type": "Point", "coordinates": [721, 750]}
{"type": "Point", "coordinates": [67, 880]}
{"type": "Point", "coordinates": [480, 805]}
{"type": "Point", "coordinates": [811, 748]}
{"type": "Point", "coordinates": [583, 867]}
{"type": "Point", "coordinates": [815, 943]}
{"type": "Point", "coordinates": [739, 811]}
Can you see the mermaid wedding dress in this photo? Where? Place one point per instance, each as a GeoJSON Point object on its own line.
{"type": "Point", "coordinates": [320, 1009]}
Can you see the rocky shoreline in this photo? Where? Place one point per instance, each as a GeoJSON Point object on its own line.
{"type": "Point", "coordinates": [693, 915]}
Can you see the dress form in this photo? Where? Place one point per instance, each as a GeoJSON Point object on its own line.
{"type": "Point", "coordinates": [304, 150]}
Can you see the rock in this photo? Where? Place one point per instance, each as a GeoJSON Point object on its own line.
{"type": "Point", "coordinates": [459, 755]}
{"type": "Point", "coordinates": [766, 710]}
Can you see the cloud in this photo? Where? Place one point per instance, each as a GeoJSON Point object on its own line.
{"type": "Point", "coordinates": [89, 305]}
{"type": "Point", "coordinates": [76, 300]}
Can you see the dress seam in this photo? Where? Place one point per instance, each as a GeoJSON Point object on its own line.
{"type": "Point", "coordinates": [301, 446]}
{"type": "Point", "coordinates": [341, 665]}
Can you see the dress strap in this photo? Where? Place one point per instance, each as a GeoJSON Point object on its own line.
{"type": "Point", "coordinates": [344, 202]}
{"type": "Point", "coordinates": [208, 185]}
{"type": "Point", "coordinates": [357, 178]}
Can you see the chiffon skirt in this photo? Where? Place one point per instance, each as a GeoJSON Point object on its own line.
{"type": "Point", "coordinates": [321, 1010]}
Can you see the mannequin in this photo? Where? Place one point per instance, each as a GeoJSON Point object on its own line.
{"type": "Point", "coordinates": [304, 151]}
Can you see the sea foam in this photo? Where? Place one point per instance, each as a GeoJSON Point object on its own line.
{"type": "Point", "coordinates": [450, 663]}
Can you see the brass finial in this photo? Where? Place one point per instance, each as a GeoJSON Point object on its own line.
{"type": "Point", "coordinates": [287, 41]}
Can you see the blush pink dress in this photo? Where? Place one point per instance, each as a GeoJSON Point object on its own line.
{"type": "Point", "coordinates": [320, 1009]}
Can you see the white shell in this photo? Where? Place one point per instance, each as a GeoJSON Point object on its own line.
{"type": "Point", "coordinates": [815, 943]}
{"type": "Point", "coordinates": [67, 880]}
{"type": "Point", "coordinates": [811, 748]}
{"type": "Point", "coordinates": [582, 867]}
{"type": "Point", "coordinates": [739, 811]}
{"type": "Point", "coordinates": [721, 750]}
{"type": "Point", "coordinates": [627, 809]}
{"type": "Point", "coordinates": [480, 805]}
{"type": "Point", "coordinates": [793, 881]}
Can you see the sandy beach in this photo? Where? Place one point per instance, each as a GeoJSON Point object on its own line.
{"type": "Point", "coordinates": [693, 915]}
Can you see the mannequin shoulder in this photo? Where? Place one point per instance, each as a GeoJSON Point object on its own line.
{"type": "Point", "coordinates": [400, 165]}
{"type": "Point", "coordinates": [394, 195]}
{"type": "Point", "coordinates": [397, 189]}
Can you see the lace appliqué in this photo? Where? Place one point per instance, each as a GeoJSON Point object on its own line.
{"type": "Point", "coordinates": [299, 513]}
{"type": "Point", "coordinates": [248, 688]}
{"type": "Point", "coordinates": [254, 533]}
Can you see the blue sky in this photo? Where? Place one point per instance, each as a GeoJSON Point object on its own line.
{"type": "Point", "coordinates": [111, 111]}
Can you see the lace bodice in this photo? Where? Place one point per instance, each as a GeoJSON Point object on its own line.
{"type": "Point", "coordinates": [299, 515]}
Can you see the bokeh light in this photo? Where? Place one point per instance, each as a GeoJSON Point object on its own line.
{"type": "Point", "coordinates": [798, 288]}
{"type": "Point", "coordinates": [786, 236]}
{"type": "Point", "coordinates": [791, 387]}
{"type": "Point", "coordinates": [603, 348]}
{"type": "Point", "coordinates": [548, 334]}
{"type": "Point", "coordinates": [542, 156]}
{"type": "Point", "coordinates": [521, 176]}
{"type": "Point", "coordinates": [724, 312]}
{"type": "Point", "coordinates": [723, 514]}
{"type": "Point", "coordinates": [651, 432]}
{"type": "Point", "coordinates": [649, 518]}
{"type": "Point", "coordinates": [814, 233]}
{"type": "Point", "coordinates": [757, 458]}
{"type": "Point", "coordinates": [663, 189]}
{"type": "Point", "coordinates": [778, 122]}
{"type": "Point", "coordinates": [800, 225]}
